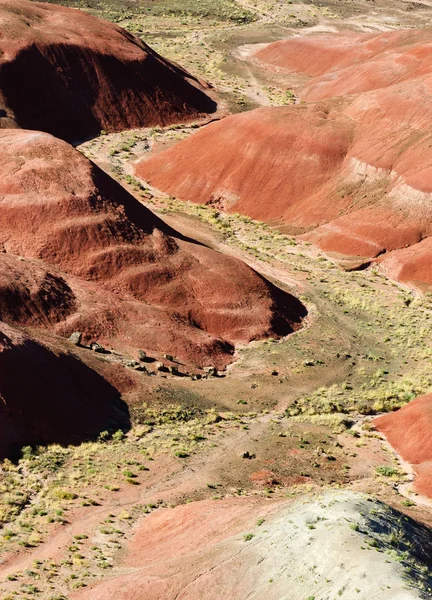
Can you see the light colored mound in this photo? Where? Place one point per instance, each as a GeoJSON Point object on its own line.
{"type": "Point", "coordinates": [314, 548]}
{"type": "Point", "coordinates": [117, 272]}
{"type": "Point", "coordinates": [71, 74]}
{"type": "Point", "coordinates": [350, 169]}
{"type": "Point", "coordinates": [409, 431]}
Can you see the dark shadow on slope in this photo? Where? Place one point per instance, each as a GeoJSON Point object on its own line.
{"type": "Point", "coordinates": [288, 311]}
{"type": "Point", "coordinates": [73, 93]}
{"type": "Point", "coordinates": [408, 540]}
{"type": "Point", "coordinates": [52, 398]}
{"type": "Point", "coordinates": [136, 213]}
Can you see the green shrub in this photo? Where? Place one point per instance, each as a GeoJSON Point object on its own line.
{"type": "Point", "coordinates": [387, 471]}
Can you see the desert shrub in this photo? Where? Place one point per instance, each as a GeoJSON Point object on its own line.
{"type": "Point", "coordinates": [387, 471]}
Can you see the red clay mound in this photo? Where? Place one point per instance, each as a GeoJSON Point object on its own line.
{"type": "Point", "coordinates": [297, 166]}
{"type": "Point", "coordinates": [315, 55]}
{"type": "Point", "coordinates": [411, 265]}
{"type": "Point", "coordinates": [409, 431]}
{"type": "Point", "coordinates": [115, 271]}
{"type": "Point", "coordinates": [50, 396]}
{"type": "Point", "coordinates": [258, 163]}
{"type": "Point", "coordinates": [352, 172]}
{"type": "Point", "coordinates": [347, 63]}
{"type": "Point", "coordinates": [30, 295]}
{"type": "Point", "coordinates": [72, 75]}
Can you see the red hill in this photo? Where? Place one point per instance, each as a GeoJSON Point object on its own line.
{"type": "Point", "coordinates": [81, 254]}
{"type": "Point", "coordinates": [72, 75]}
{"type": "Point", "coordinates": [349, 168]}
{"type": "Point", "coordinates": [409, 431]}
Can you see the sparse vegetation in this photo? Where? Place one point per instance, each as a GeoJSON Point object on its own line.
{"type": "Point", "coordinates": [387, 471]}
{"type": "Point", "coordinates": [366, 350]}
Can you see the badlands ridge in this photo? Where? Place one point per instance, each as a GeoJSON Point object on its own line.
{"type": "Point", "coordinates": [348, 165]}
{"type": "Point", "coordinates": [158, 440]}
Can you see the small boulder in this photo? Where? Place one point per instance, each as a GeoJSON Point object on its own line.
{"type": "Point", "coordinates": [211, 371]}
{"type": "Point", "coordinates": [142, 356]}
{"type": "Point", "coordinates": [96, 347]}
{"type": "Point", "coordinates": [76, 338]}
{"type": "Point", "coordinates": [134, 364]}
{"type": "Point", "coordinates": [247, 454]}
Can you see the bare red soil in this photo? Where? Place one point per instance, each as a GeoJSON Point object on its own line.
{"type": "Point", "coordinates": [81, 254]}
{"type": "Point", "coordinates": [49, 395]}
{"type": "Point", "coordinates": [189, 552]}
{"type": "Point", "coordinates": [411, 265]}
{"type": "Point", "coordinates": [352, 63]}
{"type": "Point", "coordinates": [72, 75]}
{"type": "Point", "coordinates": [349, 168]}
{"type": "Point", "coordinates": [409, 431]}
{"type": "Point", "coordinates": [30, 295]}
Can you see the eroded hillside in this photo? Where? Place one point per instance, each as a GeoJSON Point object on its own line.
{"type": "Point", "coordinates": [217, 423]}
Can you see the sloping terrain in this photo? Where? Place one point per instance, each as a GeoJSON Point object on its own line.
{"type": "Point", "coordinates": [349, 167]}
{"type": "Point", "coordinates": [267, 479]}
{"type": "Point", "coordinates": [30, 295]}
{"type": "Point", "coordinates": [256, 162]}
{"type": "Point", "coordinates": [81, 254]}
{"type": "Point", "coordinates": [339, 545]}
{"type": "Point", "coordinates": [411, 265]}
{"type": "Point", "coordinates": [352, 63]}
{"type": "Point", "coordinates": [409, 431]}
{"type": "Point", "coordinates": [73, 75]}
{"type": "Point", "coordinates": [49, 395]}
